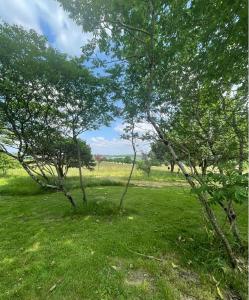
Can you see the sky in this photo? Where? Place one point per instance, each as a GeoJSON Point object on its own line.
{"type": "Point", "coordinates": [48, 18]}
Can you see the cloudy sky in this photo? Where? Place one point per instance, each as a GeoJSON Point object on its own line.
{"type": "Point", "coordinates": [49, 19]}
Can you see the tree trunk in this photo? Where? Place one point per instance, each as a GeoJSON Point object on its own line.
{"type": "Point", "coordinates": [241, 156]}
{"type": "Point", "coordinates": [232, 218]}
{"type": "Point", "coordinates": [209, 212]}
{"type": "Point", "coordinates": [121, 203]}
{"type": "Point", "coordinates": [240, 138]}
{"type": "Point", "coordinates": [172, 166]}
{"type": "Point", "coordinates": [204, 167]}
{"type": "Point", "coordinates": [80, 172]}
{"type": "Point", "coordinates": [60, 170]}
{"type": "Point", "coordinates": [202, 198]}
{"type": "Point", "coordinates": [40, 167]}
{"type": "Point", "coordinates": [36, 179]}
{"type": "Point", "coordinates": [62, 188]}
{"type": "Point", "coordinates": [68, 196]}
{"type": "Point", "coordinates": [45, 185]}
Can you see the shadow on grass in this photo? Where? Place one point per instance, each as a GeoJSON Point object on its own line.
{"type": "Point", "coordinates": [73, 182]}
{"type": "Point", "coordinates": [100, 208]}
{"type": "Point", "coordinates": [22, 186]}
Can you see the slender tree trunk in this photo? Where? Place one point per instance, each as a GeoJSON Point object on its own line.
{"type": "Point", "coordinates": [241, 156]}
{"type": "Point", "coordinates": [202, 198]}
{"type": "Point", "coordinates": [204, 167]}
{"type": "Point", "coordinates": [60, 170]}
{"type": "Point", "coordinates": [209, 212]}
{"type": "Point", "coordinates": [232, 218]}
{"type": "Point", "coordinates": [240, 138]}
{"type": "Point", "coordinates": [40, 167]}
{"type": "Point", "coordinates": [45, 185]}
{"type": "Point", "coordinates": [69, 197]}
{"type": "Point", "coordinates": [80, 172]}
{"type": "Point", "coordinates": [237, 236]}
{"type": "Point", "coordinates": [172, 166]}
{"type": "Point", "coordinates": [36, 179]}
{"type": "Point", "coordinates": [121, 203]}
{"type": "Point", "coordinates": [62, 188]}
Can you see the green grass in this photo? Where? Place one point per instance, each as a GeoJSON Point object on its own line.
{"type": "Point", "coordinates": [23, 185]}
{"type": "Point", "coordinates": [118, 172]}
{"type": "Point", "coordinates": [49, 251]}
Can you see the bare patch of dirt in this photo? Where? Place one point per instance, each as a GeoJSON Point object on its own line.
{"type": "Point", "coordinates": [118, 263]}
{"type": "Point", "coordinates": [189, 276]}
{"type": "Point", "coordinates": [139, 278]}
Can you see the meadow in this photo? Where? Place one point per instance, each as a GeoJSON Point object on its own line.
{"type": "Point", "coordinates": [160, 247]}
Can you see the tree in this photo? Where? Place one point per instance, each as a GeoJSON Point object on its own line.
{"type": "Point", "coordinates": [166, 60]}
{"type": "Point", "coordinates": [225, 190]}
{"type": "Point", "coordinates": [53, 95]}
{"type": "Point", "coordinates": [127, 160]}
{"type": "Point", "coordinates": [29, 95]}
{"type": "Point", "coordinates": [7, 163]}
{"type": "Point", "coordinates": [162, 155]}
{"type": "Point", "coordinates": [62, 154]}
{"type": "Point", "coordinates": [145, 164]}
{"type": "Point", "coordinates": [130, 135]}
{"type": "Point", "coordinates": [99, 158]}
{"type": "Point", "coordinates": [87, 104]}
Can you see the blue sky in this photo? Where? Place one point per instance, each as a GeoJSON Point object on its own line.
{"type": "Point", "coordinates": [49, 19]}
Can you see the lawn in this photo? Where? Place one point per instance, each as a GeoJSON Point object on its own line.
{"type": "Point", "coordinates": [159, 248]}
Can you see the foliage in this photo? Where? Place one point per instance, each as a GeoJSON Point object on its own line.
{"type": "Point", "coordinates": [61, 153]}
{"type": "Point", "coordinates": [145, 164]}
{"type": "Point", "coordinates": [6, 163]}
{"type": "Point", "coordinates": [124, 160]}
{"type": "Point", "coordinates": [176, 56]}
{"type": "Point", "coordinates": [195, 98]}
{"type": "Point", "coordinates": [231, 187]}
{"type": "Point", "coordinates": [52, 96]}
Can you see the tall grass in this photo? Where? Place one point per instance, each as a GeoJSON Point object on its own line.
{"type": "Point", "coordinates": [18, 182]}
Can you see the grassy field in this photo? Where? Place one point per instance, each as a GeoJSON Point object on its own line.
{"type": "Point", "coordinates": [49, 251]}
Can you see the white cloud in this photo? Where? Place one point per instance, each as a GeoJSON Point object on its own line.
{"type": "Point", "coordinates": [38, 14]}
{"type": "Point", "coordinates": [101, 145]}
{"type": "Point", "coordinates": [140, 128]}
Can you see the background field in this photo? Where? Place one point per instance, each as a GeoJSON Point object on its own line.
{"type": "Point", "coordinates": [49, 251]}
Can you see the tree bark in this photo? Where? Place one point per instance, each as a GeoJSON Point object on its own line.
{"type": "Point", "coordinates": [36, 179]}
{"type": "Point", "coordinates": [62, 188]}
{"type": "Point", "coordinates": [232, 218]}
{"type": "Point", "coordinates": [68, 196]}
{"type": "Point", "coordinates": [121, 203]}
{"type": "Point", "coordinates": [241, 156]}
{"type": "Point", "coordinates": [172, 166]}
{"type": "Point", "coordinates": [45, 185]}
{"type": "Point", "coordinates": [202, 198]}
{"type": "Point", "coordinates": [80, 172]}
{"type": "Point", "coordinates": [204, 167]}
